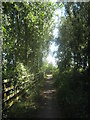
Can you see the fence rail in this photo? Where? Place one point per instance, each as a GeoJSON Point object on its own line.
{"type": "Point", "coordinates": [11, 92]}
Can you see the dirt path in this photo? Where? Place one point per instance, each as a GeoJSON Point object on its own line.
{"type": "Point", "coordinates": [48, 106]}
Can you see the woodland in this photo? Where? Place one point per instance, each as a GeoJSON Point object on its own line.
{"type": "Point", "coordinates": [27, 30]}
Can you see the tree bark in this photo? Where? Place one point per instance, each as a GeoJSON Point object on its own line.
{"type": "Point", "coordinates": [25, 27]}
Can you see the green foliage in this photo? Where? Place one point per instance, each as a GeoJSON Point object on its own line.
{"type": "Point", "coordinates": [56, 77]}
{"type": "Point", "coordinates": [50, 69]}
{"type": "Point", "coordinates": [4, 30]}
{"type": "Point", "coordinates": [73, 60]}
{"type": "Point", "coordinates": [71, 94]}
{"type": "Point", "coordinates": [26, 28]}
{"type": "Point", "coordinates": [21, 73]}
{"type": "Point", "coordinates": [21, 70]}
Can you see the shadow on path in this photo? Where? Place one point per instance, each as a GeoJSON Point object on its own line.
{"type": "Point", "coordinates": [48, 106]}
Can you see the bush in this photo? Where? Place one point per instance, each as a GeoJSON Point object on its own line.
{"type": "Point", "coordinates": [70, 93]}
{"type": "Point", "coordinates": [21, 73]}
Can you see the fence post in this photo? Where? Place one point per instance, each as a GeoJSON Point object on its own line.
{"type": "Point", "coordinates": [5, 95]}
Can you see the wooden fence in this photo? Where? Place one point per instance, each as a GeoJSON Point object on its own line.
{"type": "Point", "coordinates": [12, 91]}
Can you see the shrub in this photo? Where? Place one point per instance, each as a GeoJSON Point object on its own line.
{"type": "Point", "coordinates": [70, 93]}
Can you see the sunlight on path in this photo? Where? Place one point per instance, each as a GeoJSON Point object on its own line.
{"type": "Point", "coordinates": [49, 107]}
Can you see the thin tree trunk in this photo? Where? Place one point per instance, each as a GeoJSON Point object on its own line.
{"type": "Point", "coordinates": [25, 26]}
{"type": "Point", "coordinates": [89, 39]}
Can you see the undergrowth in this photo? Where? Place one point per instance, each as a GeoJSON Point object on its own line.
{"type": "Point", "coordinates": [72, 93]}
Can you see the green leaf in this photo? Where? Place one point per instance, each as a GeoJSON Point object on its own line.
{"type": "Point", "coordinates": [4, 30]}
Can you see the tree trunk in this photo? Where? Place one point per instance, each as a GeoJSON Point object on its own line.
{"type": "Point", "coordinates": [25, 27]}
{"type": "Point", "coordinates": [89, 39]}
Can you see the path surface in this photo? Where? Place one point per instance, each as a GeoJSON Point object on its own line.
{"type": "Point", "coordinates": [48, 106]}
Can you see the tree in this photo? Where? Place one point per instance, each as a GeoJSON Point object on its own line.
{"type": "Point", "coordinates": [73, 60]}
{"type": "Point", "coordinates": [26, 28]}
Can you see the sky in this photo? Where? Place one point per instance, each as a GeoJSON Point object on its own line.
{"type": "Point", "coordinates": [52, 48]}
{"type": "Point", "coordinates": [51, 58]}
